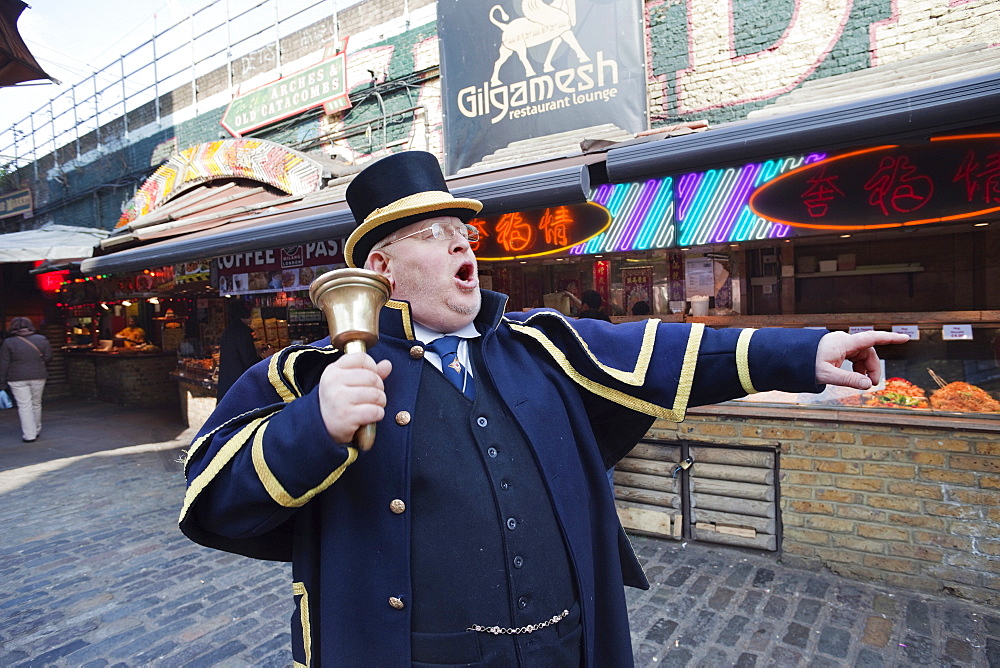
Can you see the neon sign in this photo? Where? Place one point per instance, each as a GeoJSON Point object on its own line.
{"type": "Point", "coordinates": [950, 178]}
{"type": "Point", "coordinates": [522, 234]}
{"type": "Point", "coordinates": [642, 215]}
{"type": "Point", "coordinates": [50, 281]}
{"type": "Point", "coordinates": [696, 208]}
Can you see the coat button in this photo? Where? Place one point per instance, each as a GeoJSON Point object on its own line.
{"type": "Point", "coordinates": [397, 506]}
{"type": "Point", "coordinates": [396, 603]}
{"type": "Point", "coordinates": [518, 561]}
{"type": "Point", "coordinates": [511, 523]}
{"type": "Point", "coordinates": [417, 352]}
{"type": "Point", "coordinates": [402, 418]}
{"type": "Point", "coordinates": [481, 421]}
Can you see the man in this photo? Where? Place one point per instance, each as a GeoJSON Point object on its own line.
{"type": "Point", "coordinates": [479, 529]}
{"type": "Point", "coordinates": [133, 335]}
{"type": "Point", "coordinates": [592, 300]}
{"type": "Point", "coordinates": [237, 350]}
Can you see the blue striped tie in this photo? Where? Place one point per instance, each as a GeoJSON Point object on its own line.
{"type": "Point", "coordinates": [447, 348]}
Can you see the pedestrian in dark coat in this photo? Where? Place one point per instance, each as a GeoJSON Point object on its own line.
{"type": "Point", "coordinates": [237, 350]}
{"type": "Point", "coordinates": [23, 359]}
{"type": "Point", "coordinates": [480, 528]}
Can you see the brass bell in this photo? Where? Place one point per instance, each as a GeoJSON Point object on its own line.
{"type": "Point", "coordinates": [351, 300]}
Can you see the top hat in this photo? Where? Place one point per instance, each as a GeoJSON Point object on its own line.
{"type": "Point", "coordinates": [394, 192]}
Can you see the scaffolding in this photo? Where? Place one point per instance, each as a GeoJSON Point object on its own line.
{"type": "Point", "coordinates": [223, 43]}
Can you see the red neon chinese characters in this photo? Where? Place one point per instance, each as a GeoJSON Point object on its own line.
{"type": "Point", "coordinates": [820, 193]}
{"type": "Point", "coordinates": [987, 179]}
{"type": "Point", "coordinates": [513, 233]}
{"type": "Point", "coordinates": [555, 222]}
{"type": "Point", "coordinates": [898, 187]}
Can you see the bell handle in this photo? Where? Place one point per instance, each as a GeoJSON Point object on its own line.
{"type": "Point", "coordinates": [364, 437]}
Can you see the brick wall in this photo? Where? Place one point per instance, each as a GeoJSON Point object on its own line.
{"type": "Point", "coordinates": [707, 62]}
{"type": "Point", "coordinates": [128, 380]}
{"type": "Point", "coordinates": [913, 505]}
{"type": "Point", "coordinates": [81, 376]}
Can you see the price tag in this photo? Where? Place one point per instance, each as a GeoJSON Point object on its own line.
{"type": "Point", "coordinates": [911, 331]}
{"type": "Point", "coordinates": [860, 328]}
{"type": "Point", "coordinates": [956, 332]}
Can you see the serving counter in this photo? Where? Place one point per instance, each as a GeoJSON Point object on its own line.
{"type": "Point", "coordinates": [887, 485]}
{"type": "Point", "coordinates": [125, 378]}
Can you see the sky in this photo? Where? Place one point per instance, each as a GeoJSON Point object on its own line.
{"type": "Point", "coordinates": [73, 39]}
{"type": "Point", "coordinates": [70, 37]}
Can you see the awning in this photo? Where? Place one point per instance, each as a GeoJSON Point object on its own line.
{"type": "Point", "coordinates": [827, 122]}
{"type": "Point", "coordinates": [16, 62]}
{"type": "Point", "coordinates": [902, 117]}
{"type": "Point", "coordinates": [208, 206]}
{"type": "Point", "coordinates": [292, 224]}
{"type": "Point", "coordinates": [50, 242]}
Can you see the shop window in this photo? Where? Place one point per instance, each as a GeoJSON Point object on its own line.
{"type": "Point", "coordinates": [947, 370]}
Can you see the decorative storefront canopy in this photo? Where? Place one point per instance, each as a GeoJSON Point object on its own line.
{"type": "Point", "coordinates": [258, 160]}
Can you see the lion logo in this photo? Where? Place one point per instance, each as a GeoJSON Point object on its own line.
{"type": "Point", "coordinates": [541, 23]}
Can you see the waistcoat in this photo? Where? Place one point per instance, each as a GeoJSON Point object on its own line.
{"type": "Point", "coordinates": [487, 548]}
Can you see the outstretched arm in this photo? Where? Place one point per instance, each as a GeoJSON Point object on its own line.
{"type": "Point", "coordinates": [837, 347]}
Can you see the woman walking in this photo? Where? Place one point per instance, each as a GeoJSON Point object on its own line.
{"type": "Point", "coordinates": [23, 357]}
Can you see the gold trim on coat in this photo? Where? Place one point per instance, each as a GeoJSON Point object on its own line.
{"type": "Point", "coordinates": [405, 315]}
{"type": "Point", "coordinates": [743, 360]}
{"type": "Point", "coordinates": [637, 376]}
{"type": "Point", "coordinates": [299, 589]}
{"type": "Point", "coordinates": [221, 458]}
{"type": "Point", "coordinates": [684, 383]}
{"type": "Point", "coordinates": [274, 375]}
{"type": "Point", "coordinates": [274, 487]}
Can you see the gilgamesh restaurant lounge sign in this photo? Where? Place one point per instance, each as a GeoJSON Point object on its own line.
{"type": "Point", "coordinates": [322, 84]}
{"type": "Point", "coordinates": [953, 178]}
{"type": "Point", "coordinates": [518, 69]}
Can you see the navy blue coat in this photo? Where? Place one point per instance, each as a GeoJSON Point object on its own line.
{"type": "Point", "coordinates": [266, 480]}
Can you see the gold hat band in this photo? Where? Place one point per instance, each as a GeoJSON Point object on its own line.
{"type": "Point", "coordinates": [411, 205]}
{"type": "Point", "coordinates": [425, 202]}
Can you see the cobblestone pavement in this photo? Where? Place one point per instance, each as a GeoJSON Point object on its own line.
{"type": "Point", "coordinates": [93, 572]}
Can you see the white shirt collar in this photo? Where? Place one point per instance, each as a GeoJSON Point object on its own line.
{"type": "Point", "coordinates": [426, 334]}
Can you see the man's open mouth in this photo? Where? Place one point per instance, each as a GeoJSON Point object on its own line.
{"type": "Point", "coordinates": [465, 273]}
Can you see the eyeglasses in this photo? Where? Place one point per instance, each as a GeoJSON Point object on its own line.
{"type": "Point", "coordinates": [442, 232]}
